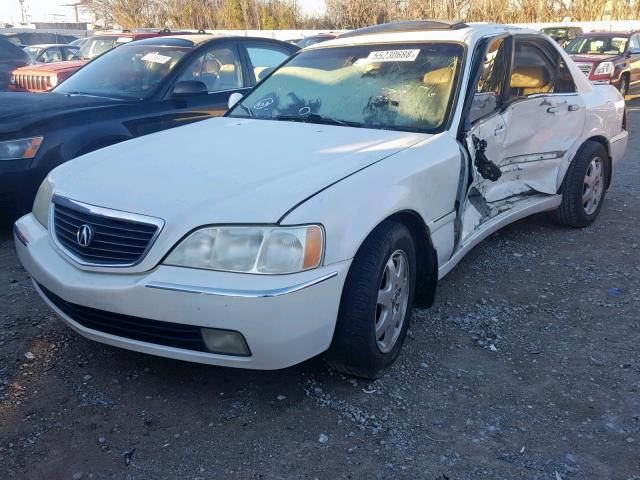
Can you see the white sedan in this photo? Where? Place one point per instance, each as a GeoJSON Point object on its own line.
{"type": "Point", "coordinates": [337, 192]}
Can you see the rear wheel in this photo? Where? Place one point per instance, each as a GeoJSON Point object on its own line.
{"type": "Point", "coordinates": [583, 189]}
{"type": "Point", "coordinates": [376, 303]}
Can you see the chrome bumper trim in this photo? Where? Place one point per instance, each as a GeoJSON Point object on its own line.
{"type": "Point", "coordinates": [224, 292]}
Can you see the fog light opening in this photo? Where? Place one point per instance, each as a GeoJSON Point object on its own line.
{"type": "Point", "coordinates": [225, 342]}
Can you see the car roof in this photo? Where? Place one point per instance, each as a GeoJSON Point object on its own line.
{"type": "Point", "coordinates": [606, 34]}
{"type": "Point", "coordinates": [50, 45]}
{"type": "Point", "coordinates": [420, 31]}
{"type": "Point", "coordinates": [197, 39]}
{"type": "Point", "coordinates": [179, 40]}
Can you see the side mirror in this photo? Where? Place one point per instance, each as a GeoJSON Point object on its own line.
{"type": "Point", "coordinates": [233, 99]}
{"type": "Point", "coordinates": [188, 88]}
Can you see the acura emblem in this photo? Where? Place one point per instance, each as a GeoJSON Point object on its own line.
{"type": "Point", "coordinates": [84, 236]}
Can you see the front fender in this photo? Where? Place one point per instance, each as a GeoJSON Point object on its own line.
{"type": "Point", "coordinates": [421, 179]}
{"type": "Point", "coordinates": [85, 140]}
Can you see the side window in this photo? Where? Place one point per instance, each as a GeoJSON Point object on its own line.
{"type": "Point", "coordinates": [564, 82]}
{"type": "Point", "coordinates": [491, 82]}
{"type": "Point", "coordinates": [52, 55]}
{"type": "Point", "coordinates": [265, 58]}
{"type": "Point", "coordinates": [68, 53]}
{"type": "Point", "coordinates": [219, 69]}
{"type": "Point", "coordinates": [634, 43]}
{"type": "Point", "coordinates": [533, 71]}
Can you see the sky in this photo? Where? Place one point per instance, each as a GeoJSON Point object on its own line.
{"type": "Point", "coordinates": [55, 10]}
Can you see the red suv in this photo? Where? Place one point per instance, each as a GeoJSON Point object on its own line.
{"type": "Point", "coordinates": [43, 77]}
{"type": "Point", "coordinates": [608, 58]}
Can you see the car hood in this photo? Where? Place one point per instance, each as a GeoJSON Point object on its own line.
{"type": "Point", "coordinates": [224, 170]}
{"type": "Point", "coordinates": [19, 109]}
{"type": "Point", "coordinates": [53, 67]}
{"type": "Point", "coordinates": [594, 58]}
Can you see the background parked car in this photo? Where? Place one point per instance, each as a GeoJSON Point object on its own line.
{"type": "Point", "coordinates": [562, 35]}
{"type": "Point", "coordinates": [313, 39]}
{"type": "Point", "coordinates": [33, 38]}
{"type": "Point", "coordinates": [608, 58]}
{"type": "Point", "coordinates": [40, 78]}
{"type": "Point", "coordinates": [48, 53]}
{"type": "Point", "coordinates": [139, 88]}
{"type": "Point", "coordinates": [10, 58]}
{"type": "Point", "coordinates": [80, 41]}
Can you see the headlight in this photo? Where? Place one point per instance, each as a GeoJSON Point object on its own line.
{"type": "Point", "coordinates": [42, 202]}
{"type": "Point", "coordinates": [12, 79]}
{"type": "Point", "coordinates": [17, 149]}
{"type": "Point", "coordinates": [259, 249]}
{"type": "Point", "coordinates": [53, 80]}
{"type": "Point", "coordinates": [604, 68]}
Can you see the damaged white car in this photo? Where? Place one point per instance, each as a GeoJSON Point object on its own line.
{"type": "Point", "coordinates": [337, 192]}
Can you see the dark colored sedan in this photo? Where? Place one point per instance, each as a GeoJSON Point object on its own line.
{"type": "Point", "coordinates": [11, 57]}
{"type": "Point", "coordinates": [140, 88]}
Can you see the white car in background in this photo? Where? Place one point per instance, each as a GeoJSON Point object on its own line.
{"type": "Point", "coordinates": [340, 189]}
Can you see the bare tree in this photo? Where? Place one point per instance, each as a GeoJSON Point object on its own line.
{"type": "Point", "coordinates": [347, 14]}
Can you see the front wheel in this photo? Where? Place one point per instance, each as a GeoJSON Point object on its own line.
{"type": "Point", "coordinates": [376, 303]}
{"type": "Point", "coordinates": [583, 188]}
{"type": "Point", "coordinates": [624, 85]}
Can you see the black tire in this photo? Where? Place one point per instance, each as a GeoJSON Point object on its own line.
{"type": "Point", "coordinates": [572, 209]}
{"type": "Point", "coordinates": [354, 349]}
{"type": "Point", "coordinates": [624, 85]}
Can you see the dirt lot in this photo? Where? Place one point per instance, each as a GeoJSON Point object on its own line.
{"type": "Point", "coordinates": [526, 368]}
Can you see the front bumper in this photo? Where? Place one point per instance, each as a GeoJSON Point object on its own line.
{"type": "Point", "coordinates": [285, 319]}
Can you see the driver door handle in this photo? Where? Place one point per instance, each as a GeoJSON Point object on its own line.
{"type": "Point", "coordinates": [499, 130]}
{"type": "Point", "coordinates": [553, 109]}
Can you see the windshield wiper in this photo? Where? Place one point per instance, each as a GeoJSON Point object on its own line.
{"type": "Point", "coordinates": [317, 118]}
{"type": "Point", "coordinates": [247, 109]}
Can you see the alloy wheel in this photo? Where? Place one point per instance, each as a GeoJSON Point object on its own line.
{"type": "Point", "coordinates": [393, 300]}
{"type": "Point", "coordinates": [593, 186]}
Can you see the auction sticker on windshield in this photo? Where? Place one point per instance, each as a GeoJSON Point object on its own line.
{"type": "Point", "coordinates": [394, 55]}
{"type": "Point", "coordinates": [156, 58]}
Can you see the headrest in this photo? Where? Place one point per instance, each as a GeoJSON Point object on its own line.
{"type": "Point", "coordinates": [211, 67]}
{"type": "Point", "coordinates": [440, 76]}
{"type": "Point", "coordinates": [228, 68]}
{"type": "Point", "coordinates": [529, 77]}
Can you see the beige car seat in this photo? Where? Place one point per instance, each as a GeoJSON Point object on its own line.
{"type": "Point", "coordinates": [530, 80]}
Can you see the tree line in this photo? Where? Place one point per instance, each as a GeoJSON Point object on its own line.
{"type": "Point", "coordinates": [345, 14]}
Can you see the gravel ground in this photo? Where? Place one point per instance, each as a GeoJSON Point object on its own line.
{"type": "Point", "coordinates": [527, 367]}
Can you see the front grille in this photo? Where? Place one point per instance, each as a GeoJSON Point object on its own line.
{"type": "Point", "coordinates": [32, 83]}
{"type": "Point", "coordinates": [169, 334]}
{"type": "Point", "coordinates": [114, 239]}
{"type": "Point", "coordinates": [585, 68]}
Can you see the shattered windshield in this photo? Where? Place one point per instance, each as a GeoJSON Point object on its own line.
{"type": "Point", "coordinates": [387, 86]}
